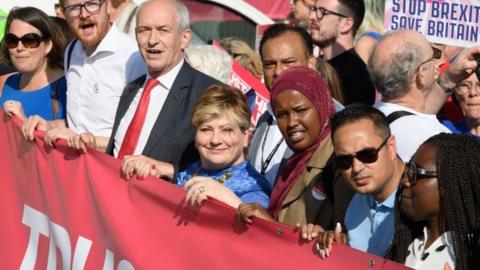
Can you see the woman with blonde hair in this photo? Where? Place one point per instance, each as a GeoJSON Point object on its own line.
{"type": "Point", "coordinates": [241, 52]}
{"type": "Point", "coordinates": [221, 118]}
{"type": "Point", "coordinates": [371, 29]}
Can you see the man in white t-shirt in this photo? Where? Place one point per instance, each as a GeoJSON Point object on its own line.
{"type": "Point", "coordinates": [99, 64]}
{"type": "Point", "coordinates": [403, 68]}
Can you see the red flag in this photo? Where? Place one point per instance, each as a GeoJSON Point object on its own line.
{"type": "Point", "coordinates": [62, 209]}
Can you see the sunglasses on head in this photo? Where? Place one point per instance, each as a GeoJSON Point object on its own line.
{"type": "Point", "coordinates": [367, 155]}
{"type": "Point", "coordinates": [30, 40]}
{"type": "Point", "coordinates": [437, 54]}
{"type": "Point", "coordinates": [414, 172]}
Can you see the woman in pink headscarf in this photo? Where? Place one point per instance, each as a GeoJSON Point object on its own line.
{"type": "Point", "coordinates": [307, 190]}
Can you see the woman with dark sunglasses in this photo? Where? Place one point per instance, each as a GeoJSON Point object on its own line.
{"type": "Point", "coordinates": [307, 190]}
{"type": "Point", "coordinates": [438, 220]}
{"type": "Point", "coordinates": [34, 47]}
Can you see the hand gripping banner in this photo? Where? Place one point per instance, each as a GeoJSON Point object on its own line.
{"type": "Point", "coordinates": [65, 210]}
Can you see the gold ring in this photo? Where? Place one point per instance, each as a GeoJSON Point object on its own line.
{"type": "Point", "coordinates": [201, 189]}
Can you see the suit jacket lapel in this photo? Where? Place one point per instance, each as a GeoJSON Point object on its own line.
{"type": "Point", "coordinates": [128, 96]}
{"type": "Point", "coordinates": [125, 100]}
{"type": "Point", "coordinates": [176, 96]}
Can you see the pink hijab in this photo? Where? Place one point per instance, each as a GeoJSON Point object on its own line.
{"type": "Point", "coordinates": [311, 85]}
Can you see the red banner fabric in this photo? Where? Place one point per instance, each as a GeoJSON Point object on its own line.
{"type": "Point", "coordinates": [65, 210]}
{"type": "Point", "coordinates": [274, 9]}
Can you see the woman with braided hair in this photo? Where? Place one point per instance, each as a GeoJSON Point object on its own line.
{"type": "Point", "coordinates": [439, 217]}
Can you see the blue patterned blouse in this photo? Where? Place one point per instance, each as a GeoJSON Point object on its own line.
{"type": "Point", "coordinates": [248, 184]}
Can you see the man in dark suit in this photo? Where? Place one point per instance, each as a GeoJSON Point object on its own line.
{"type": "Point", "coordinates": [152, 132]}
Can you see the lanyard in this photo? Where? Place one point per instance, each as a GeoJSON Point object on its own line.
{"type": "Point", "coordinates": [266, 162]}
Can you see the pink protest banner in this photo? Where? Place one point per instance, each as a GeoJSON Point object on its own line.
{"type": "Point", "coordinates": [451, 22]}
{"type": "Point", "coordinates": [65, 210]}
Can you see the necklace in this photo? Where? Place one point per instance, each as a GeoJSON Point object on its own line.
{"type": "Point", "coordinates": [225, 177]}
{"type": "Point", "coordinates": [222, 179]}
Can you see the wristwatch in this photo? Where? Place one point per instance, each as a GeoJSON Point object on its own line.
{"type": "Point", "coordinates": [445, 89]}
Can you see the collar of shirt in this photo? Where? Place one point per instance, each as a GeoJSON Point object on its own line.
{"type": "Point", "coordinates": [438, 253]}
{"type": "Point", "coordinates": [445, 238]}
{"type": "Point", "coordinates": [270, 111]}
{"type": "Point", "coordinates": [395, 107]}
{"type": "Point", "coordinates": [388, 203]}
{"type": "Point", "coordinates": [109, 43]}
{"type": "Point", "coordinates": [166, 80]}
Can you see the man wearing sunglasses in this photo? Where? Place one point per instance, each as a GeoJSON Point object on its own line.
{"type": "Point", "coordinates": [98, 65]}
{"type": "Point", "coordinates": [403, 66]}
{"type": "Point", "coordinates": [333, 25]}
{"type": "Point", "coordinates": [365, 154]}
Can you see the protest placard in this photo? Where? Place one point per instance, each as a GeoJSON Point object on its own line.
{"type": "Point", "coordinates": [451, 22]}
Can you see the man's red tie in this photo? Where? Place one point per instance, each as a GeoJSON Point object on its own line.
{"type": "Point", "coordinates": [133, 132]}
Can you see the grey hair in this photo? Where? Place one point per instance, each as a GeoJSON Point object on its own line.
{"type": "Point", "coordinates": [210, 60]}
{"type": "Point", "coordinates": [392, 77]}
{"type": "Point", "coordinates": [183, 16]}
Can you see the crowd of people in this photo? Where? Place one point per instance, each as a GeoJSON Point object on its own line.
{"type": "Point", "coordinates": [350, 149]}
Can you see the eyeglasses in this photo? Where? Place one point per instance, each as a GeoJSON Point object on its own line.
{"type": "Point", "coordinates": [437, 54]}
{"type": "Point", "coordinates": [74, 11]}
{"type": "Point", "coordinates": [367, 156]}
{"type": "Point", "coordinates": [30, 40]}
{"type": "Point", "coordinates": [414, 172]}
{"type": "Point", "coordinates": [320, 12]}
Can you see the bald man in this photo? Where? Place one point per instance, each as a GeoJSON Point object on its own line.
{"type": "Point", "coordinates": [403, 67]}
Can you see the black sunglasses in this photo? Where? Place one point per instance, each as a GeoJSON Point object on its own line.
{"type": "Point", "coordinates": [414, 172]}
{"type": "Point", "coordinates": [437, 54]}
{"type": "Point", "coordinates": [321, 12]}
{"type": "Point", "coordinates": [30, 40]}
{"type": "Point", "coordinates": [367, 155]}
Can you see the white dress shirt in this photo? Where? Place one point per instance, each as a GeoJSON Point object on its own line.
{"type": "Point", "coordinates": [158, 95]}
{"type": "Point", "coordinates": [96, 82]}
{"type": "Point", "coordinates": [267, 146]}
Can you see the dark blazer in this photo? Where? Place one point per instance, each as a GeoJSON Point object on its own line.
{"type": "Point", "coordinates": [172, 137]}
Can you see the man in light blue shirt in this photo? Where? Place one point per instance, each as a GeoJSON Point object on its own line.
{"type": "Point", "coordinates": [365, 153]}
{"type": "Point", "coordinates": [370, 224]}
